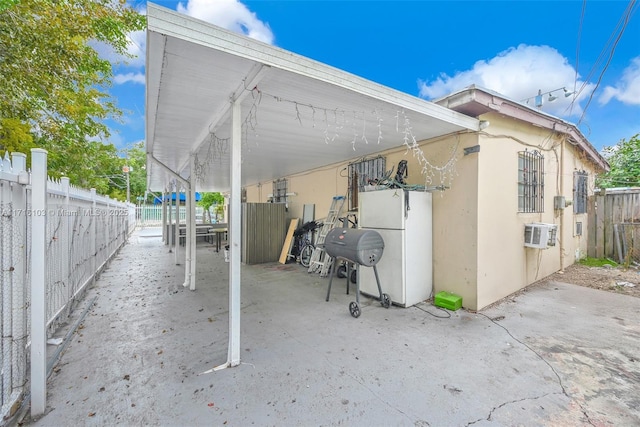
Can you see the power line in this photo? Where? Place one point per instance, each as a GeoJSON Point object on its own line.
{"type": "Point", "coordinates": [619, 28]}
{"type": "Point", "coordinates": [575, 79]}
{"type": "Point", "coordinates": [626, 16]}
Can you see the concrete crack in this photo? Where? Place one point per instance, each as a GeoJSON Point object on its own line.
{"type": "Point", "coordinates": [377, 396]}
{"type": "Point", "coordinates": [564, 391]}
{"type": "Point", "coordinates": [495, 408]}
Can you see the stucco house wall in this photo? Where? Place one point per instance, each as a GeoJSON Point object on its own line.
{"type": "Point", "coordinates": [505, 265]}
{"type": "Point", "coordinates": [310, 187]}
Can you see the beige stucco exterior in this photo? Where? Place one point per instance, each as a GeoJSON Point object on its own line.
{"type": "Point", "coordinates": [478, 233]}
{"type": "Point", "coordinates": [504, 264]}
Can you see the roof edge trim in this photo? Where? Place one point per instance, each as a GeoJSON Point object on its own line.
{"type": "Point", "coordinates": [495, 102]}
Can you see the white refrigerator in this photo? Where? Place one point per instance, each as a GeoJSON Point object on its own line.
{"type": "Point", "coordinates": [403, 219]}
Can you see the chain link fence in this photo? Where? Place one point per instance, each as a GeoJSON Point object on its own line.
{"type": "Point", "coordinates": [83, 231]}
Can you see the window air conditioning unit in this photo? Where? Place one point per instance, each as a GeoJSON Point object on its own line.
{"type": "Point", "coordinates": [540, 235]}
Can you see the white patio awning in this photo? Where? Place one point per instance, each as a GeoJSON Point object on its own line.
{"type": "Point", "coordinates": [225, 111]}
{"type": "Point", "coordinates": [297, 114]}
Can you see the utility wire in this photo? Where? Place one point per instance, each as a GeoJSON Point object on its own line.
{"type": "Point", "coordinates": [626, 16]}
{"type": "Point", "coordinates": [575, 79]}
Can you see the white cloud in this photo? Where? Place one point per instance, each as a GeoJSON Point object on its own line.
{"type": "Point", "coordinates": [229, 14]}
{"type": "Point", "coordinates": [627, 90]}
{"type": "Point", "coordinates": [136, 47]}
{"type": "Point", "coordinates": [517, 73]}
{"type": "Point", "coordinates": [129, 77]}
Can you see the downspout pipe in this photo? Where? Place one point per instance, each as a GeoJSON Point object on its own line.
{"type": "Point", "coordinates": [561, 227]}
{"type": "Point", "coordinates": [167, 169]}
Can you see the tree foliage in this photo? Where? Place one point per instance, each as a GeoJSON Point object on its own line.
{"type": "Point", "coordinates": [211, 199]}
{"type": "Point", "coordinates": [53, 82]}
{"type": "Point", "coordinates": [114, 176]}
{"type": "Point", "coordinates": [136, 158]}
{"type": "Point", "coordinates": [624, 159]}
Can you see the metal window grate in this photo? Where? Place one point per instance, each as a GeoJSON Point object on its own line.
{"type": "Point", "coordinates": [530, 181]}
{"type": "Point", "coordinates": [280, 191]}
{"type": "Point", "coordinates": [580, 192]}
{"type": "Point", "coordinates": [360, 173]}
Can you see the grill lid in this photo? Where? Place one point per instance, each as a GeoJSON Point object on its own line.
{"type": "Point", "coordinates": [363, 247]}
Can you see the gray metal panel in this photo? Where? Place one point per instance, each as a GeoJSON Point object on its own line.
{"type": "Point", "coordinates": [263, 232]}
{"type": "Point", "coordinates": [308, 213]}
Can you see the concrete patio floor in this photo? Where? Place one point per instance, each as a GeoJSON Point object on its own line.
{"type": "Point", "coordinates": [554, 355]}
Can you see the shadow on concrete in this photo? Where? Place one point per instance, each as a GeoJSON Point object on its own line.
{"type": "Point", "coordinates": [556, 354]}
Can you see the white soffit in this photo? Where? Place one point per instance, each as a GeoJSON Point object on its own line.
{"type": "Point", "coordinates": [298, 114]}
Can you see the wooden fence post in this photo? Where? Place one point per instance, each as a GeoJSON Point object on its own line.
{"type": "Point", "coordinates": [599, 226]}
{"type": "Point", "coordinates": [591, 227]}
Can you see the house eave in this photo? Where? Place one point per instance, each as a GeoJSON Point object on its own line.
{"type": "Point", "coordinates": [475, 102]}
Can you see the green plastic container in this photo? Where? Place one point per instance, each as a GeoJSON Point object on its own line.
{"type": "Point", "coordinates": [447, 300]}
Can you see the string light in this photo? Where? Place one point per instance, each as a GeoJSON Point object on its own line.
{"type": "Point", "coordinates": [331, 125]}
{"type": "Point", "coordinates": [216, 148]}
{"type": "Point", "coordinates": [446, 172]}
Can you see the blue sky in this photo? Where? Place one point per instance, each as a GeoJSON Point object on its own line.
{"type": "Point", "coordinates": [432, 48]}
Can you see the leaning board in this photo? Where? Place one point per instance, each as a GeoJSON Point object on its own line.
{"type": "Point", "coordinates": [286, 248]}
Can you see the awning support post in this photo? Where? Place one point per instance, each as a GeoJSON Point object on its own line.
{"type": "Point", "coordinates": [176, 231]}
{"type": "Point", "coordinates": [187, 236]}
{"type": "Point", "coordinates": [192, 214]}
{"type": "Point", "coordinates": [169, 228]}
{"type": "Point", "coordinates": [233, 358]}
{"type": "Point", "coordinates": [235, 248]}
{"type": "Point", "coordinates": [164, 216]}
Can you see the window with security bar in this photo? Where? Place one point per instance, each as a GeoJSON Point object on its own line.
{"type": "Point", "coordinates": [530, 181]}
{"type": "Point", "coordinates": [362, 173]}
{"type": "Point", "coordinates": [580, 179]}
{"type": "Point", "coordinates": [280, 191]}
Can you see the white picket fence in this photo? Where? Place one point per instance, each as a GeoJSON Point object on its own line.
{"type": "Point", "coordinates": [56, 239]}
{"type": "Point", "coordinates": [151, 215]}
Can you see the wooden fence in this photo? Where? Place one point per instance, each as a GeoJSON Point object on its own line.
{"type": "Point", "coordinates": [607, 211]}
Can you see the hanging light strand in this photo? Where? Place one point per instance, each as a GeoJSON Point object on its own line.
{"type": "Point", "coordinates": [445, 173]}
{"type": "Point", "coordinates": [216, 149]}
{"type": "Point", "coordinates": [332, 122]}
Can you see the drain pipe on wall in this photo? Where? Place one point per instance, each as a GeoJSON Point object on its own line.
{"type": "Point", "coordinates": [167, 169]}
{"type": "Point", "coordinates": [561, 226]}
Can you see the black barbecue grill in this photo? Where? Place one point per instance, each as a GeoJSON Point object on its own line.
{"type": "Point", "coordinates": [361, 247]}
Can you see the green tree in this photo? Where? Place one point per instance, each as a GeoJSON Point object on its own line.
{"type": "Point", "coordinates": [53, 82]}
{"type": "Point", "coordinates": [624, 159]}
{"type": "Point", "coordinates": [136, 159]}
{"type": "Point", "coordinates": [210, 199]}
{"type": "Point", "coordinates": [115, 175]}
